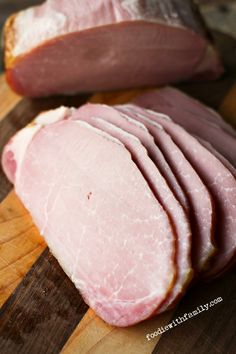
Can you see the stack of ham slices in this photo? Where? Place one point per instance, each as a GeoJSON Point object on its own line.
{"type": "Point", "coordinates": [135, 201]}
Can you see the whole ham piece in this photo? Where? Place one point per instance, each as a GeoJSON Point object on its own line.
{"type": "Point", "coordinates": [95, 209]}
{"type": "Point", "coordinates": [80, 46]}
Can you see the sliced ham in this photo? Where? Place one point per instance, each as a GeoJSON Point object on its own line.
{"type": "Point", "coordinates": [202, 205]}
{"type": "Point", "coordinates": [100, 116]}
{"type": "Point", "coordinates": [80, 46]}
{"type": "Point", "coordinates": [141, 132]}
{"type": "Point", "coordinates": [172, 96]}
{"type": "Point", "coordinates": [96, 210]}
{"type": "Point", "coordinates": [194, 117]}
{"type": "Point", "coordinates": [220, 182]}
{"type": "Point", "coordinates": [220, 157]}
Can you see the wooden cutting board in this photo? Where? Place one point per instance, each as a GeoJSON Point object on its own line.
{"type": "Point", "coordinates": [41, 310]}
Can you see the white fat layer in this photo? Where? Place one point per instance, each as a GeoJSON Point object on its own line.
{"type": "Point", "coordinates": [36, 25]}
{"type": "Point", "coordinates": [20, 143]}
{"type": "Point", "coordinates": [98, 131]}
{"type": "Point", "coordinates": [150, 121]}
{"type": "Point", "coordinates": [159, 115]}
{"type": "Point", "coordinates": [22, 139]}
{"type": "Point", "coordinates": [116, 129]}
{"type": "Point", "coordinates": [134, 122]}
{"type": "Point", "coordinates": [134, 106]}
{"type": "Point", "coordinates": [44, 28]}
{"type": "Point", "coordinates": [54, 115]}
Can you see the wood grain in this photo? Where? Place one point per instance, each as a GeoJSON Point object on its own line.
{"type": "Point", "coordinates": [8, 98]}
{"type": "Point", "coordinates": [94, 336]}
{"type": "Point", "coordinates": [213, 330]}
{"type": "Point", "coordinates": [20, 245]}
{"type": "Point", "coordinates": [45, 297]}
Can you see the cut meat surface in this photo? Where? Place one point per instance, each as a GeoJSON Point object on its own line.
{"type": "Point", "coordinates": [139, 130]}
{"type": "Point", "coordinates": [201, 202]}
{"type": "Point", "coordinates": [220, 157]}
{"type": "Point", "coordinates": [92, 216]}
{"type": "Point", "coordinates": [158, 185]}
{"type": "Point", "coordinates": [194, 117]}
{"type": "Point", "coordinates": [220, 182]}
{"type": "Point", "coordinates": [96, 39]}
{"type": "Point", "coordinates": [174, 97]}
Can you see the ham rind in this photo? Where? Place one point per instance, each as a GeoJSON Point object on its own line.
{"type": "Point", "coordinates": [82, 46]}
{"type": "Point", "coordinates": [96, 209]}
{"type": "Point", "coordinates": [220, 182]}
{"type": "Point", "coordinates": [202, 205]}
{"type": "Point", "coordinates": [158, 185]}
{"type": "Point", "coordinates": [140, 131]}
{"type": "Point", "coordinates": [192, 117]}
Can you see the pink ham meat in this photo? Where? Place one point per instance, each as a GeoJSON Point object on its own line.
{"type": "Point", "coordinates": [199, 197]}
{"type": "Point", "coordinates": [81, 46]}
{"type": "Point", "coordinates": [220, 157]}
{"type": "Point", "coordinates": [171, 96]}
{"type": "Point", "coordinates": [96, 209]}
{"type": "Point", "coordinates": [194, 117]}
{"type": "Point", "coordinates": [220, 182]}
{"type": "Point", "coordinates": [95, 115]}
{"type": "Point", "coordinates": [139, 130]}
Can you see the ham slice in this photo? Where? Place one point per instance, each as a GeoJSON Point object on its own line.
{"type": "Point", "coordinates": [174, 97]}
{"type": "Point", "coordinates": [194, 117]}
{"type": "Point", "coordinates": [220, 182]}
{"type": "Point", "coordinates": [224, 161]}
{"type": "Point", "coordinates": [96, 209]}
{"type": "Point", "coordinates": [80, 46]}
{"type": "Point", "coordinates": [199, 197]}
{"type": "Point", "coordinates": [139, 130]}
{"type": "Point", "coordinates": [100, 116]}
